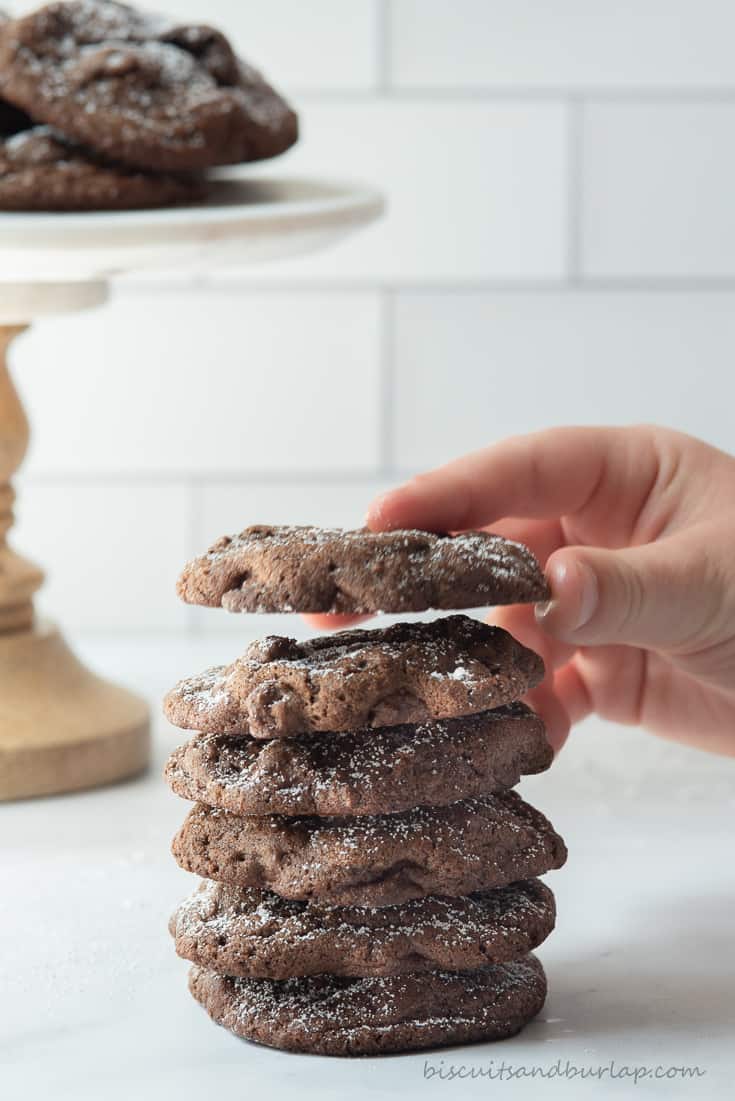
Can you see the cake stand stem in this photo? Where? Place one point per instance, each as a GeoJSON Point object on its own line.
{"type": "Point", "coordinates": [61, 727]}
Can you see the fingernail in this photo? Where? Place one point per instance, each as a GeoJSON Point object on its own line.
{"type": "Point", "coordinates": [575, 597]}
{"type": "Point", "coordinates": [545, 608]}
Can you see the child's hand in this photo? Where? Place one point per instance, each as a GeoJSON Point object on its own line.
{"type": "Point", "coordinates": [637, 530]}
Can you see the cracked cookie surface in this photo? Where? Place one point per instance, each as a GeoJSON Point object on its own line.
{"type": "Point", "coordinates": [329, 1015]}
{"type": "Point", "coordinates": [378, 771]}
{"type": "Point", "coordinates": [40, 171]}
{"type": "Point", "coordinates": [373, 860]}
{"type": "Point", "coordinates": [407, 673]}
{"type": "Point", "coordinates": [309, 569]}
{"type": "Point", "coordinates": [141, 89]}
{"type": "Point", "coordinates": [242, 931]}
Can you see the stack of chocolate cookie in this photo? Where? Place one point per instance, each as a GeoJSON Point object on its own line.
{"type": "Point", "coordinates": [104, 107]}
{"type": "Point", "coordinates": [369, 876]}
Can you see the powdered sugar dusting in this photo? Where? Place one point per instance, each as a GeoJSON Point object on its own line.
{"type": "Point", "coordinates": [486, 925]}
{"type": "Point", "coordinates": [389, 769]}
{"type": "Point", "coordinates": [271, 568]}
{"type": "Point", "coordinates": [409, 672]}
{"type": "Point", "coordinates": [374, 860]}
{"type": "Point", "coordinates": [349, 1015]}
{"type": "Point", "coordinates": [125, 82]}
{"type": "Point", "coordinates": [206, 692]}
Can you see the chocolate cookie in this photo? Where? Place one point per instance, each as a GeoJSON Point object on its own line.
{"type": "Point", "coordinates": [408, 673]}
{"type": "Point", "coordinates": [375, 860]}
{"type": "Point", "coordinates": [140, 89]}
{"type": "Point", "coordinates": [40, 171]}
{"type": "Point", "coordinates": [258, 935]}
{"type": "Point", "coordinates": [308, 569]}
{"type": "Point", "coordinates": [365, 772]}
{"type": "Point", "coordinates": [328, 1015]}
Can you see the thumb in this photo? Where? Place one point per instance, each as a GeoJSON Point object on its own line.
{"type": "Point", "coordinates": [655, 596]}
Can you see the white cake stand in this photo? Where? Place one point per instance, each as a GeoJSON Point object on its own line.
{"type": "Point", "coordinates": [63, 728]}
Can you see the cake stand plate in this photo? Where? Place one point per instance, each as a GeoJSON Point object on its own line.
{"type": "Point", "coordinates": [242, 221]}
{"type": "Point", "coordinates": [63, 728]}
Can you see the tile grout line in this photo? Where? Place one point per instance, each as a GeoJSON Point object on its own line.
{"type": "Point", "coordinates": [593, 284]}
{"type": "Point", "coordinates": [479, 93]}
{"type": "Point", "coordinates": [157, 479]}
{"type": "Point", "coordinates": [194, 540]}
{"type": "Point", "coordinates": [386, 382]}
{"type": "Point", "coordinates": [383, 57]}
{"type": "Point", "coordinates": [575, 190]}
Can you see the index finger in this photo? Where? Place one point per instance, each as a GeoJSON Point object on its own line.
{"type": "Point", "coordinates": [545, 474]}
{"type": "Point", "coordinates": [332, 621]}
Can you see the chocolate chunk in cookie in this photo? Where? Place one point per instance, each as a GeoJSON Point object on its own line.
{"type": "Point", "coordinates": [255, 934]}
{"type": "Point", "coordinates": [41, 171]}
{"type": "Point", "coordinates": [374, 860]}
{"type": "Point", "coordinates": [139, 89]}
{"type": "Point", "coordinates": [308, 569]}
{"type": "Point", "coordinates": [12, 121]}
{"type": "Point", "coordinates": [407, 673]}
{"type": "Point", "coordinates": [329, 1015]}
{"type": "Point", "coordinates": [379, 771]}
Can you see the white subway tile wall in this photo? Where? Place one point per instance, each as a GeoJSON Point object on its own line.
{"type": "Point", "coordinates": [562, 44]}
{"type": "Point", "coordinates": [110, 551]}
{"type": "Point", "coordinates": [321, 45]}
{"type": "Point", "coordinates": [657, 188]}
{"type": "Point", "coordinates": [506, 363]}
{"type": "Point", "coordinates": [475, 192]}
{"type": "Point", "coordinates": [559, 247]}
{"type": "Point", "coordinates": [194, 382]}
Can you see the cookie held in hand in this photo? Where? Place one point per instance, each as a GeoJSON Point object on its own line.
{"type": "Point", "coordinates": [309, 569]}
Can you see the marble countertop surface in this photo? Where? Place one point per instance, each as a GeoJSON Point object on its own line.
{"type": "Point", "coordinates": [641, 967]}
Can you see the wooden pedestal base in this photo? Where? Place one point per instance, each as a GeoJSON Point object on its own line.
{"type": "Point", "coordinates": [61, 727]}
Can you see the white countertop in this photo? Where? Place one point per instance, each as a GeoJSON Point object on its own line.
{"type": "Point", "coordinates": [641, 967]}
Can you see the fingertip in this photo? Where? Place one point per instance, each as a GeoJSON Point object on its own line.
{"type": "Point", "coordinates": [387, 512]}
{"type": "Point", "coordinates": [574, 595]}
{"type": "Point", "coordinates": [557, 736]}
{"type": "Point", "coordinates": [519, 621]}
{"type": "Point", "coordinates": [572, 692]}
{"type": "Point", "coordinates": [375, 517]}
{"type": "Point", "coordinates": [332, 622]}
{"type": "Point", "coordinates": [547, 704]}
{"type": "Point", "coordinates": [513, 618]}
